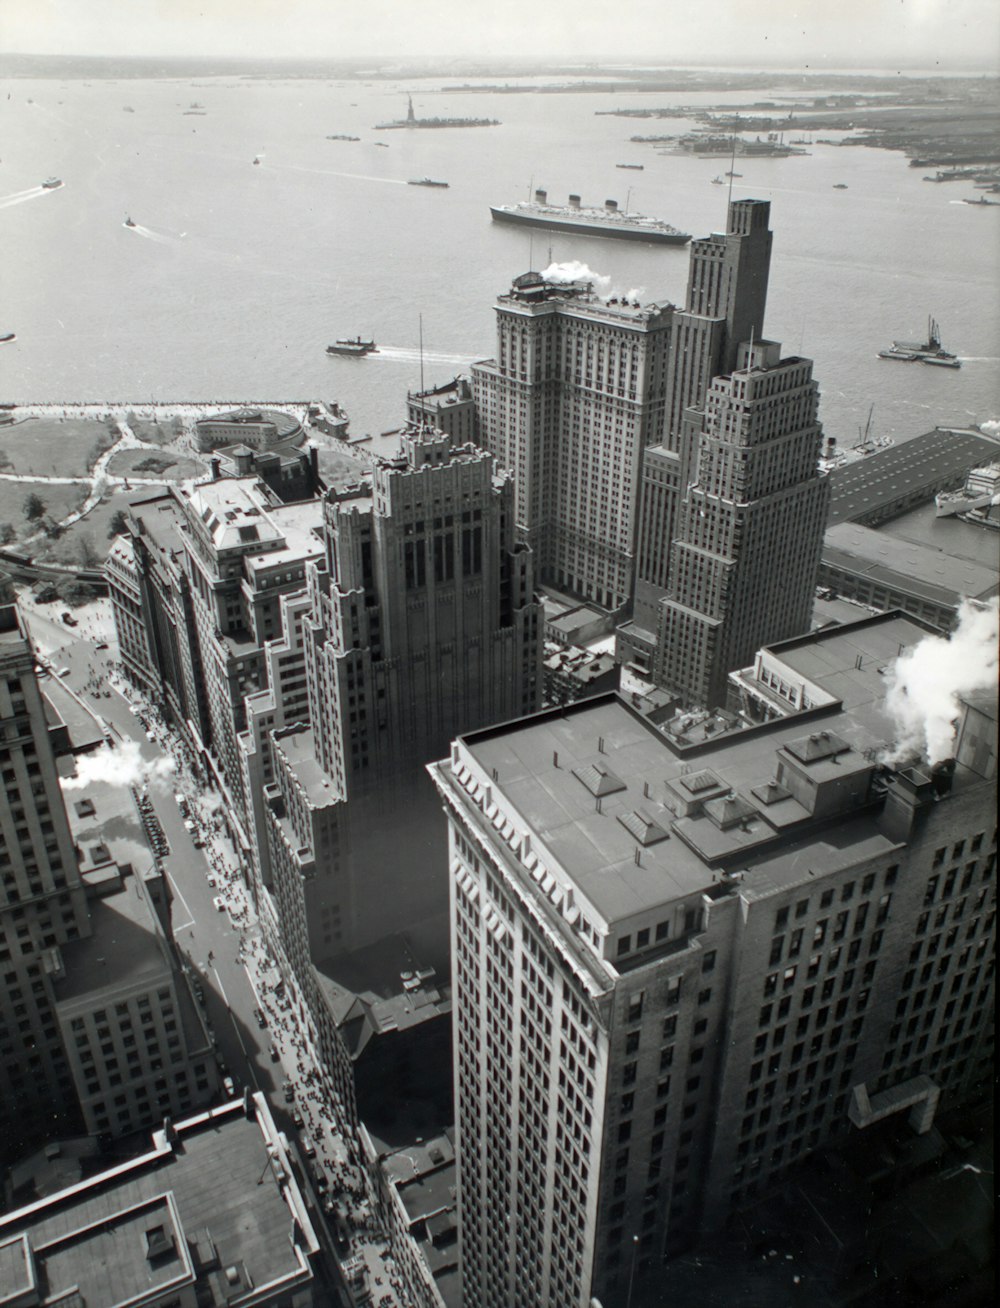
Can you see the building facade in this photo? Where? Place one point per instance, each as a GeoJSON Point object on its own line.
{"type": "Point", "coordinates": [749, 527]}
{"type": "Point", "coordinates": [42, 898]}
{"type": "Point", "coordinates": [678, 971]}
{"type": "Point", "coordinates": [577, 390]}
{"type": "Point", "coordinates": [726, 298]}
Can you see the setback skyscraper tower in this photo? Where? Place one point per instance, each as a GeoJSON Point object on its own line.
{"type": "Point", "coordinates": [749, 529]}
{"type": "Point", "coordinates": [726, 297]}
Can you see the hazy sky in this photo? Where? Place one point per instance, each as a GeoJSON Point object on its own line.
{"type": "Point", "coordinates": [817, 33]}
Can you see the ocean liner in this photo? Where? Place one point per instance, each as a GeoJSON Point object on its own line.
{"type": "Point", "coordinates": [583, 221]}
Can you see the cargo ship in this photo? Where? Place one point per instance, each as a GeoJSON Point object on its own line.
{"type": "Point", "coordinates": [581, 220]}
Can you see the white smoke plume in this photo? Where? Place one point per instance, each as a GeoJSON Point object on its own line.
{"type": "Point", "coordinates": [991, 427]}
{"type": "Point", "coordinates": [561, 274]}
{"type": "Point", "coordinates": [926, 681]}
{"type": "Point", "coordinates": [121, 766]}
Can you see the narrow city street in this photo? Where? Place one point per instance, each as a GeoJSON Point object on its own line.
{"type": "Point", "coordinates": [259, 1041]}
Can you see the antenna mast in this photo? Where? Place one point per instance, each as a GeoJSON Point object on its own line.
{"type": "Point", "coordinates": [421, 321]}
{"type": "Point", "coordinates": [732, 169]}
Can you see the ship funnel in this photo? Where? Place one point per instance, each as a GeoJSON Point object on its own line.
{"type": "Point", "coordinates": [574, 202]}
{"type": "Point", "coordinates": [541, 196]}
{"type": "Point", "coordinates": [611, 206]}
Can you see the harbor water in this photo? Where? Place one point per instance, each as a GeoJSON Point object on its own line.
{"type": "Point", "coordinates": [236, 275]}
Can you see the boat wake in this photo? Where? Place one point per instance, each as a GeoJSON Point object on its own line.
{"type": "Point", "coordinates": [150, 235]}
{"type": "Point", "coordinates": [331, 172]}
{"type": "Point", "coordinates": [21, 197]}
{"type": "Point", "coordinates": [406, 354]}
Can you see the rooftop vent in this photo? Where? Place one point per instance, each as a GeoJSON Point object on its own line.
{"type": "Point", "coordinates": [159, 1243]}
{"type": "Point", "coordinates": [770, 793]}
{"type": "Point", "coordinates": [599, 780]}
{"type": "Point", "coordinates": [730, 810]}
{"type": "Point", "coordinates": [821, 744]}
{"type": "Point", "coordinates": [696, 783]}
{"type": "Point", "coordinates": [642, 827]}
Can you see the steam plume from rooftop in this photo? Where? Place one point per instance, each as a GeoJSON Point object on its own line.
{"type": "Point", "coordinates": [926, 681]}
{"type": "Point", "coordinates": [123, 766]}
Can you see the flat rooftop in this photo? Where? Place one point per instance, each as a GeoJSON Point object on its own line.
{"type": "Point", "coordinates": [850, 660]}
{"type": "Point", "coordinates": [211, 1201]}
{"type": "Point", "coordinates": [596, 784]}
{"type": "Point", "coordinates": [299, 749]}
{"type": "Point", "coordinates": [941, 455]}
{"type": "Point", "coordinates": [918, 570]}
{"type": "Point", "coordinates": [125, 948]}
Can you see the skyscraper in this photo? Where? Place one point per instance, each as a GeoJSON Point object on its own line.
{"type": "Point", "coordinates": [575, 393]}
{"type": "Point", "coordinates": [42, 902]}
{"type": "Point", "coordinates": [749, 527]}
{"type": "Point", "coordinates": [726, 297]}
{"type": "Point", "coordinates": [677, 971]}
{"type": "Point", "coordinates": [422, 617]}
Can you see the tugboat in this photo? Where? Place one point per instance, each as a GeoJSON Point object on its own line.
{"type": "Point", "coordinates": [128, 221]}
{"type": "Point", "coordinates": [256, 158]}
{"type": "Point", "coordinates": [928, 351]}
{"type": "Point", "coordinates": [357, 347]}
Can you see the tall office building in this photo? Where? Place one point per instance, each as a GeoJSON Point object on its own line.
{"type": "Point", "coordinates": [677, 971]}
{"type": "Point", "coordinates": [575, 393]}
{"type": "Point", "coordinates": [749, 527]}
{"type": "Point", "coordinates": [422, 619]}
{"type": "Point", "coordinates": [726, 298]}
{"type": "Point", "coordinates": [42, 902]}
{"type": "Point", "coordinates": [98, 1029]}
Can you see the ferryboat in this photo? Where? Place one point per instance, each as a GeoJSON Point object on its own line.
{"type": "Point", "coordinates": [355, 347]}
{"type": "Point", "coordinates": [52, 183]}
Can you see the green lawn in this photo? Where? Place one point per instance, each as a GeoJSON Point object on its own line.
{"type": "Point", "coordinates": [53, 447]}
{"type": "Point", "coordinates": [162, 463]}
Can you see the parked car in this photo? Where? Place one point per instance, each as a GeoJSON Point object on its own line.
{"type": "Point", "coordinates": [275, 1053]}
{"type": "Point", "coordinates": [257, 1012]}
{"type": "Point", "coordinates": [289, 1091]}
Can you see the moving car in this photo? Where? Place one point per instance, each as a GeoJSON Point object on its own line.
{"type": "Point", "coordinates": [220, 903]}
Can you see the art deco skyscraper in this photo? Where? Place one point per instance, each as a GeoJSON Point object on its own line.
{"type": "Point", "coordinates": [749, 528]}
{"type": "Point", "coordinates": [575, 393]}
{"type": "Point", "coordinates": [726, 297]}
{"type": "Point", "coordinates": [422, 618]}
